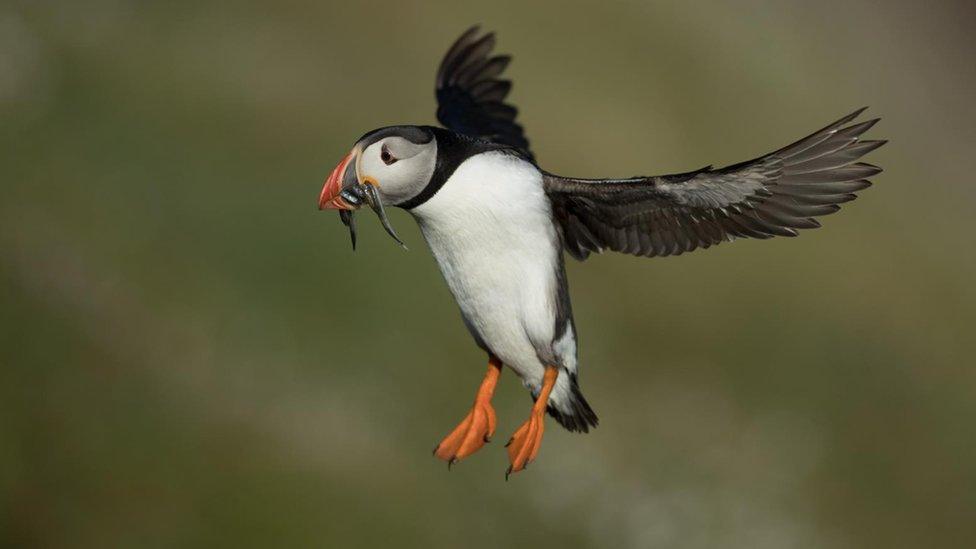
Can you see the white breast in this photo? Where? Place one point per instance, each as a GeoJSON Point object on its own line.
{"type": "Point", "coordinates": [490, 229]}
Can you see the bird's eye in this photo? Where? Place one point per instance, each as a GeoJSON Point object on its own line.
{"type": "Point", "coordinates": [386, 157]}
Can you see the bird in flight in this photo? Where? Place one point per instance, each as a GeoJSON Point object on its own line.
{"type": "Point", "coordinates": [498, 225]}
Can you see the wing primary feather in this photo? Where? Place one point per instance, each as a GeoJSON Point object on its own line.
{"type": "Point", "coordinates": [837, 159]}
{"type": "Point", "coordinates": [453, 52]}
{"type": "Point", "coordinates": [778, 194]}
{"type": "Point", "coordinates": [470, 94]}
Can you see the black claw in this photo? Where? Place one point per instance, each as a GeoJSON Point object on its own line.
{"type": "Point", "coordinates": [509, 443]}
{"type": "Point", "coordinates": [508, 472]}
{"type": "Point", "coordinates": [450, 462]}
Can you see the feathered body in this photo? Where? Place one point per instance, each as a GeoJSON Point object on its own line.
{"type": "Point", "coordinates": [502, 259]}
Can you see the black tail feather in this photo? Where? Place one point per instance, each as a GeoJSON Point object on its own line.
{"type": "Point", "coordinates": [582, 417]}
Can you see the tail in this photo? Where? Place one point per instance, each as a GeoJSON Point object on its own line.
{"type": "Point", "coordinates": [574, 413]}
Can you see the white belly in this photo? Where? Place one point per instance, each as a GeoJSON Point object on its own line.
{"type": "Point", "coordinates": [491, 231]}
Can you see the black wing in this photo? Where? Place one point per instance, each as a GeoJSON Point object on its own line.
{"type": "Point", "coordinates": [471, 96]}
{"type": "Point", "coordinates": [773, 195]}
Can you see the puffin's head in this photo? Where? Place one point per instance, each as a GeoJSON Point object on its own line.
{"type": "Point", "coordinates": [386, 167]}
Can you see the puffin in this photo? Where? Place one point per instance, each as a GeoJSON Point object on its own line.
{"type": "Point", "coordinates": [499, 226]}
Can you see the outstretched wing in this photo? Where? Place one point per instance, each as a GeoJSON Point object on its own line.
{"type": "Point", "coordinates": [773, 195]}
{"type": "Point", "coordinates": [471, 95]}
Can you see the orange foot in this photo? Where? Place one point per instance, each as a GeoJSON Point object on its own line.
{"type": "Point", "coordinates": [525, 443]}
{"type": "Point", "coordinates": [478, 426]}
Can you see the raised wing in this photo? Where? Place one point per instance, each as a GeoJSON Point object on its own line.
{"type": "Point", "coordinates": [773, 195]}
{"type": "Point", "coordinates": [471, 95]}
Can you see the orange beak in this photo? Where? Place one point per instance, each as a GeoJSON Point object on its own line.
{"type": "Point", "coordinates": [331, 199]}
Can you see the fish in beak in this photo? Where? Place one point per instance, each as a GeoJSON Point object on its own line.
{"type": "Point", "coordinates": [344, 191]}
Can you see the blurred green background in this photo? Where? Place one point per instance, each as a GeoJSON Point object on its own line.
{"type": "Point", "coordinates": [191, 356]}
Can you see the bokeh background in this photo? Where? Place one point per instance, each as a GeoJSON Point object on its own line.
{"type": "Point", "coordinates": [191, 355]}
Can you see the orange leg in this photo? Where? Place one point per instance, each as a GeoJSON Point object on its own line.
{"type": "Point", "coordinates": [478, 426]}
{"type": "Point", "coordinates": [525, 443]}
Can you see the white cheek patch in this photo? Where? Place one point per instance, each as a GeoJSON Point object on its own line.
{"type": "Point", "coordinates": [402, 179]}
{"type": "Point", "coordinates": [369, 169]}
{"type": "Point", "coordinates": [403, 149]}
